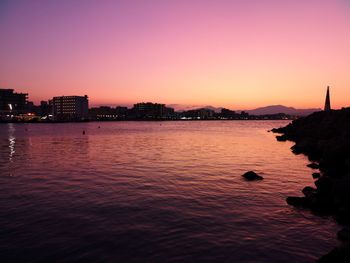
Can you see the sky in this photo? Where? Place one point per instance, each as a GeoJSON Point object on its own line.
{"type": "Point", "coordinates": [235, 54]}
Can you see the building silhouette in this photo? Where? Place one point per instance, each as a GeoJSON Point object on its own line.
{"type": "Point", "coordinates": [103, 113]}
{"type": "Point", "coordinates": [12, 103]}
{"type": "Point", "coordinates": [200, 114]}
{"type": "Point", "coordinates": [70, 108]}
{"type": "Point", "coordinates": [228, 114]}
{"type": "Point", "coordinates": [45, 109]}
{"type": "Point", "coordinates": [327, 105]}
{"type": "Point", "coordinates": [149, 110]}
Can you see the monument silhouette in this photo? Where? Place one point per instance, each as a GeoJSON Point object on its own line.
{"type": "Point", "coordinates": [327, 105]}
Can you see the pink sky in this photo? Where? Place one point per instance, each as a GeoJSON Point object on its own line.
{"type": "Point", "coordinates": [236, 54]}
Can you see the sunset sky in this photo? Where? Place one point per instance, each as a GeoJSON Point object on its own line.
{"type": "Point", "coordinates": [237, 54]}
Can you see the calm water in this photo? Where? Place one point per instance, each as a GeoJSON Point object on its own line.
{"type": "Point", "coordinates": [154, 192]}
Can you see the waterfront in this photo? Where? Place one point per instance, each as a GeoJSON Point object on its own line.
{"type": "Point", "coordinates": [154, 191]}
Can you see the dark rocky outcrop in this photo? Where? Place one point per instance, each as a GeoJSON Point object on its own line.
{"type": "Point", "coordinates": [341, 253]}
{"type": "Point", "coordinates": [252, 176]}
{"type": "Point", "coordinates": [324, 137]}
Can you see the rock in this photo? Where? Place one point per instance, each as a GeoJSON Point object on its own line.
{"type": "Point", "coordinates": [344, 234]}
{"type": "Point", "coordinates": [316, 175]}
{"type": "Point", "coordinates": [336, 255]}
{"type": "Point", "coordinates": [347, 162]}
{"type": "Point", "coordinates": [297, 201]}
{"type": "Point", "coordinates": [252, 176]}
{"type": "Point", "coordinates": [343, 215]}
{"type": "Point", "coordinates": [313, 165]}
{"type": "Point", "coordinates": [306, 146]}
{"type": "Point", "coordinates": [321, 204]}
{"type": "Point", "coordinates": [277, 130]}
{"type": "Point", "coordinates": [309, 191]}
{"type": "Point", "coordinates": [281, 138]}
{"type": "Point", "coordinates": [324, 185]}
{"type": "Point", "coordinates": [296, 149]}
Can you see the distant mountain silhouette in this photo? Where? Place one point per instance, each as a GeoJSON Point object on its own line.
{"type": "Point", "coordinates": [274, 109]}
{"type": "Point", "coordinates": [183, 107]}
{"type": "Point", "coordinates": [216, 109]}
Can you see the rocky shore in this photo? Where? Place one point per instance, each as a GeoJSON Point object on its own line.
{"type": "Point", "coordinates": [324, 137]}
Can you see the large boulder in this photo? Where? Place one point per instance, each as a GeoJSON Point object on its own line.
{"type": "Point", "coordinates": [252, 176]}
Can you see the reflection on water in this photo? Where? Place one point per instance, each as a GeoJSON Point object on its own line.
{"type": "Point", "coordinates": [141, 191]}
{"type": "Point", "coordinates": [15, 148]}
{"type": "Point", "coordinates": [12, 140]}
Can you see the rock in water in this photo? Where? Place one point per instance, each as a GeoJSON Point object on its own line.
{"type": "Point", "coordinates": [316, 175]}
{"type": "Point", "coordinates": [281, 138]}
{"type": "Point", "coordinates": [313, 166]}
{"type": "Point", "coordinates": [309, 191]}
{"type": "Point", "coordinates": [252, 176]}
{"type": "Point", "coordinates": [297, 201]}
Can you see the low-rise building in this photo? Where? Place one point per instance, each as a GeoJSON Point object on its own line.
{"type": "Point", "coordinates": [200, 114]}
{"type": "Point", "coordinates": [103, 113]}
{"type": "Point", "coordinates": [148, 110]}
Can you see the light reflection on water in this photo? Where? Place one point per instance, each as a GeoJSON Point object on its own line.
{"type": "Point", "coordinates": [12, 140]}
{"type": "Point", "coordinates": [150, 191]}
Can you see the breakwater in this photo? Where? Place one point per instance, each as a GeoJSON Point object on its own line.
{"type": "Point", "coordinates": [324, 137]}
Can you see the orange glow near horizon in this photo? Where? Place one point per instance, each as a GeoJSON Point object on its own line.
{"type": "Point", "coordinates": [234, 54]}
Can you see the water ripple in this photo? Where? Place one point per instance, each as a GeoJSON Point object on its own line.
{"type": "Point", "coordinates": [138, 191]}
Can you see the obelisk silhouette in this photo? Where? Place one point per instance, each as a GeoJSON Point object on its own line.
{"type": "Point", "coordinates": [327, 105]}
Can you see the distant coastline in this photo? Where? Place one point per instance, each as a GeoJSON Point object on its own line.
{"type": "Point", "coordinates": [253, 118]}
{"type": "Point", "coordinates": [15, 107]}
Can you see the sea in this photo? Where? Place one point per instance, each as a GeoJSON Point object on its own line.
{"type": "Point", "coordinates": [148, 191]}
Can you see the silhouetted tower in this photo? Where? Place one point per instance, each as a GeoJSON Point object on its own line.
{"type": "Point", "coordinates": [327, 105]}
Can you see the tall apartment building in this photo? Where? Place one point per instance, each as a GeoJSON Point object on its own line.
{"type": "Point", "coordinates": [70, 108]}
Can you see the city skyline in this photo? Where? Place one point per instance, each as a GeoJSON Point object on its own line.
{"type": "Point", "coordinates": [233, 54]}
